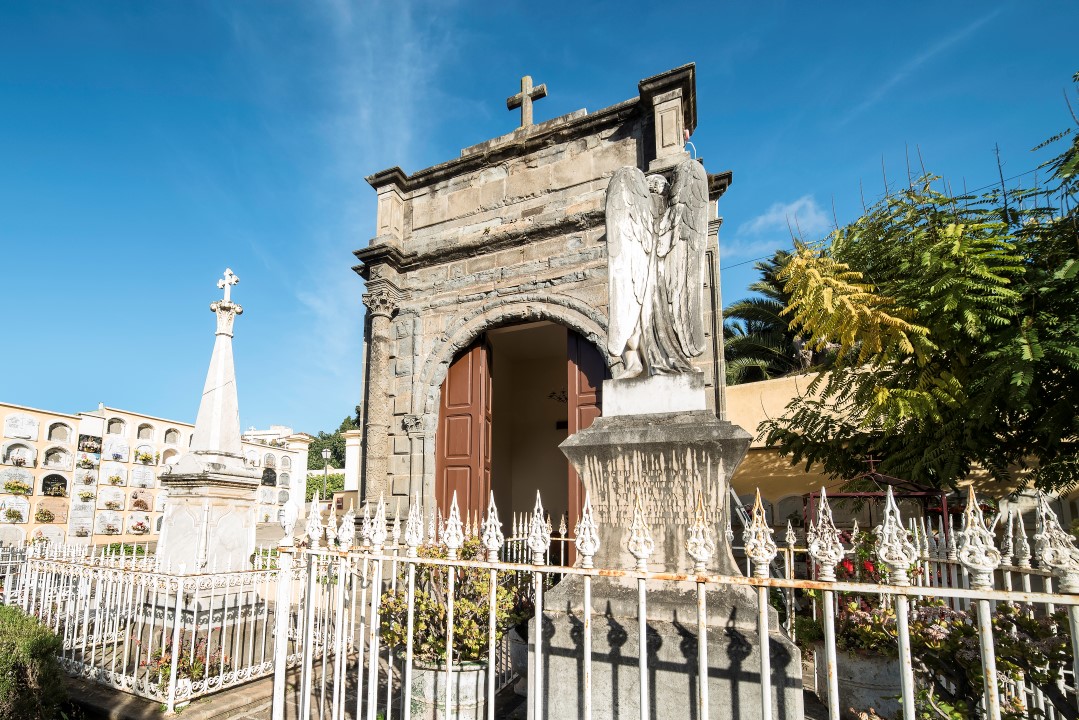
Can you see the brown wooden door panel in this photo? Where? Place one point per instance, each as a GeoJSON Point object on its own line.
{"type": "Point", "coordinates": [462, 444]}
{"type": "Point", "coordinates": [586, 370]}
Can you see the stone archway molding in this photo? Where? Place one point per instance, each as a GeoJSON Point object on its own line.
{"type": "Point", "coordinates": [527, 307]}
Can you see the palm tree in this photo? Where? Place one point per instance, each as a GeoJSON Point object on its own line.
{"type": "Point", "coordinates": [758, 342]}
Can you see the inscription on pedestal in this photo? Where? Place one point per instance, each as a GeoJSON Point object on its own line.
{"type": "Point", "coordinates": [667, 484]}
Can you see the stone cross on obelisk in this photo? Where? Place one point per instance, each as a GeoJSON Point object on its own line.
{"type": "Point", "coordinates": [227, 282]}
{"type": "Point", "coordinates": [524, 99]}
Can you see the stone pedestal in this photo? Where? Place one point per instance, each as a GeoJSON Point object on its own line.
{"type": "Point", "coordinates": [664, 459]}
{"type": "Point", "coordinates": [210, 518]}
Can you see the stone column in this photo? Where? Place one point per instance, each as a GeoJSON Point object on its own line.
{"type": "Point", "coordinates": [414, 427]}
{"type": "Point", "coordinates": [353, 458]}
{"type": "Point", "coordinates": [381, 301]}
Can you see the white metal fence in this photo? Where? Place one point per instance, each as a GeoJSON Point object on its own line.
{"type": "Point", "coordinates": [365, 621]}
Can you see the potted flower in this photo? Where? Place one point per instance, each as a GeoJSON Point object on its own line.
{"type": "Point", "coordinates": [12, 515]}
{"type": "Point", "coordinates": [144, 457]}
{"type": "Point", "coordinates": [86, 496]}
{"type": "Point", "coordinates": [115, 480]}
{"type": "Point", "coordinates": [140, 528]}
{"type": "Point", "coordinates": [112, 505]}
{"type": "Point", "coordinates": [111, 529]}
{"type": "Point", "coordinates": [44, 516]}
{"type": "Point", "coordinates": [469, 665]}
{"type": "Point", "coordinates": [17, 487]}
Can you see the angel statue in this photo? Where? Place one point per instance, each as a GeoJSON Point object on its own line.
{"type": "Point", "coordinates": [655, 247]}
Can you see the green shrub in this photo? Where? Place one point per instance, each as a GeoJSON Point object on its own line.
{"type": "Point", "coordinates": [31, 681]}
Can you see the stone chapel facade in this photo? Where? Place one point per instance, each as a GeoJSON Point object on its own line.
{"type": "Point", "coordinates": [487, 302]}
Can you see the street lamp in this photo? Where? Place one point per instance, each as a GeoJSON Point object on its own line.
{"type": "Point", "coordinates": [325, 469]}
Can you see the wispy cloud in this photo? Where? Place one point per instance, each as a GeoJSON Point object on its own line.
{"type": "Point", "coordinates": [772, 229]}
{"type": "Point", "coordinates": [366, 72]}
{"type": "Point", "coordinates": [915, 63]}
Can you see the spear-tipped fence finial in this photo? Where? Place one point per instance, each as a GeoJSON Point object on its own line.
{"type": "Point", "coordinates": [760, 548]}
{"type": "Point", "coordinates": [538, 537]}
{"type": "Point", "coordinates": [1007, 549]}
{"type": "Point", "coordinates": [413, 528]}
{"type": "Point", "coordinates": [893, 544]}
{"type": "Point", "coordinates": [587, 534]}
{"type": "Point", "coordinates": [453, 537]}
{"type": "Point", "coordinates": [823, 540]}
{"type": "Point", "coordinates": [976, 550]}
{"type": "Point", "coordinates": [1055, 549]}
{"type": "Point", "coordinates": [378, 526]}
{"type": "Point", "coordinates": [492, 531]}
{"type": "Point", "coordinates": [1022, 545]}
{"type": "Point", "coordinates": [346, 534]}
{"type": "Point", "coordinates": [699, 544]}
{"type": "Point", "coordinates": [396, 535]}
{"type": "Point", "coordinates": [365, 526]}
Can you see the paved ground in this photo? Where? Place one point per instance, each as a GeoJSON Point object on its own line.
{"type": "Point", "coordinates": [253, 702]}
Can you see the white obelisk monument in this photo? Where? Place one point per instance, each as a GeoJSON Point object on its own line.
{"type": "Point", "coordinates": [210, 513]}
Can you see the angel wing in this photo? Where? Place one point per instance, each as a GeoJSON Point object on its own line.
{"type": "Point", "coordinates": [630, 241]}
{"type": "Point", "coordinates": [681, 282]}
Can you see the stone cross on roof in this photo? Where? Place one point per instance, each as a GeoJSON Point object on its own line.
{"type": "Point", "coordinates": [524, 99]}
{"type": "Point", "coordinates": [227, 282]}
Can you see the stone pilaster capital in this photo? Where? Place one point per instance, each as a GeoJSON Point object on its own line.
{"type": "Point", "coordinates": [381, 301]}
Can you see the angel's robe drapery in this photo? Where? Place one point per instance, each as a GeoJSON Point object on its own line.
{"type": "Point", "coordinates": [656, 238]}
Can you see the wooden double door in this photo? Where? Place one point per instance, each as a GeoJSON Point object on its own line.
{"type": "Point", "coordinates": [463, 445]}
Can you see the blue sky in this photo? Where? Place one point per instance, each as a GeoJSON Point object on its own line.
{"type": "Point", "coordinates": [144, 146]}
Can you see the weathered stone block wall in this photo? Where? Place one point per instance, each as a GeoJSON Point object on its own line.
{"type": "Point", "coordinates": [511, 231]}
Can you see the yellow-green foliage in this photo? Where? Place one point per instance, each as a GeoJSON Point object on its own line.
{"type": "Point", "coordinates": [31, 681]}
{"type": "Point", "coordinates": [470, 608]}
{"type": "Point", "coordinates": [955, 326]}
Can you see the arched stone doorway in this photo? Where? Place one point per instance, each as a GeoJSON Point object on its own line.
{"type": "Point", "coordinates": [506, 403]}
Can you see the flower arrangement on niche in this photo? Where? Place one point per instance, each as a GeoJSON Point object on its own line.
{"type": "Point", "coordinates": [56, 491]}
{"type": "Point", "coordinates": [85, 464]}
{"type": "Point", "coordinates": [88, 480]}
{"type": "Point", "coordinates": [115, 480]}
{"type": "Point", "coordinates": [112, 505]}
{"type": "Point", "coordinates": [44, 516]}
{"type": "Point", "coordinates": [111, 529]}
{"type": "Point", "coordinates": [86, 496]}
{"type": "Point", "coordinates": [18, 461]}
{"type": "Point", "coordinates": [12, 515]}
{"type": "Point", "coordinates": [144, 457]}
{"type": "Point", "coordinates": [16, 487]}
{"type": "Point", "coordinates": [140, 504]}
{"type": "Point", "coordinates": [140, 528]}
{"type": "Point", "coordinates": [82, 532]}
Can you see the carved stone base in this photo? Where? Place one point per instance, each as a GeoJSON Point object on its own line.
{"type": "Point", "coordinates": [209, 522]}
{"type": "Point", "coordinates": [664, 459]}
